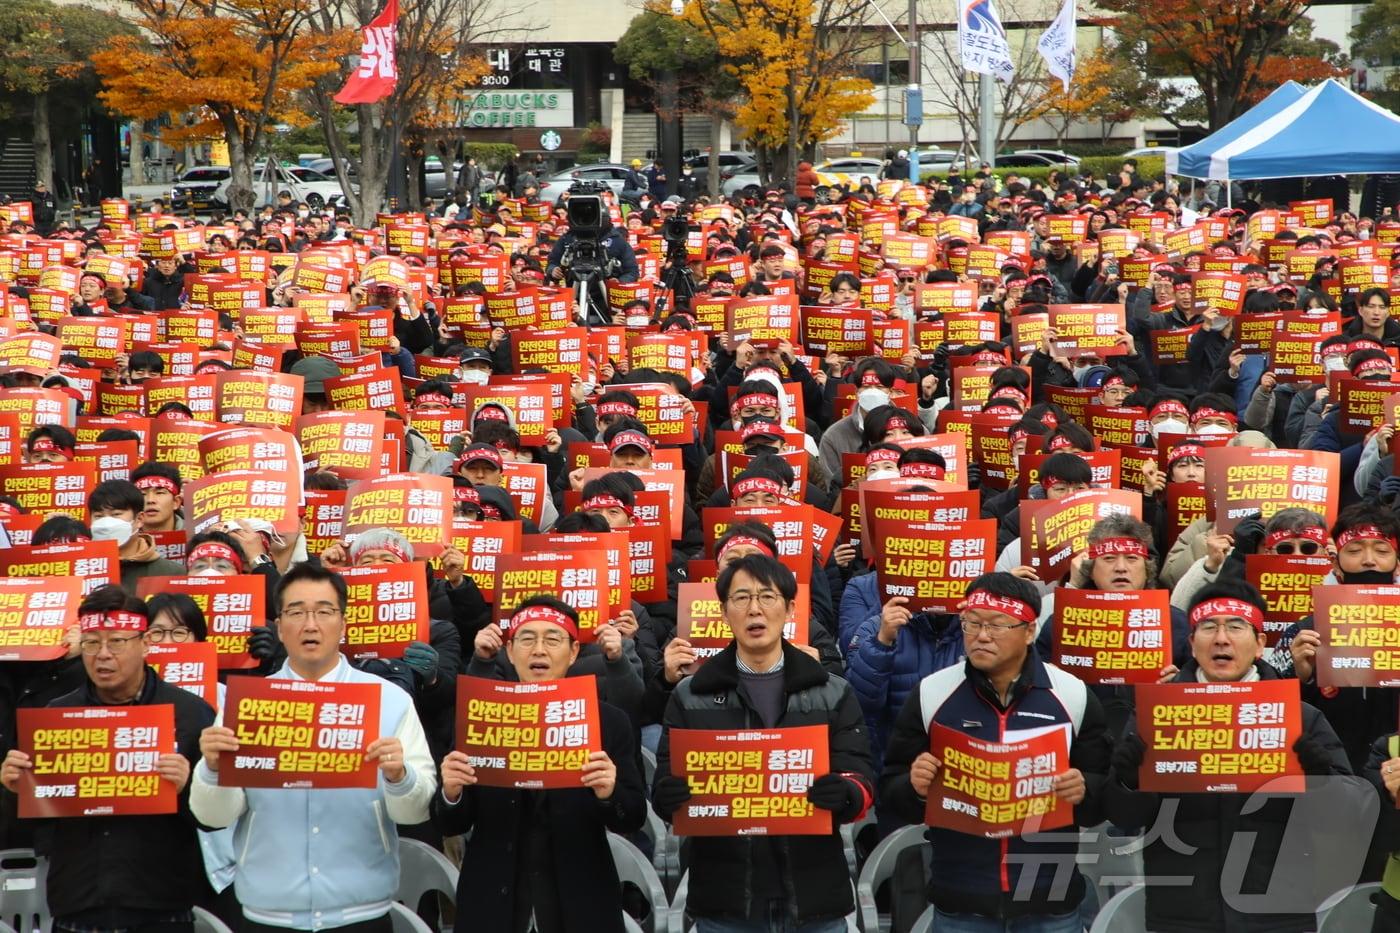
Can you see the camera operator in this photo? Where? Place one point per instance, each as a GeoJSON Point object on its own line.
{"type": "Point", "coordinates": [592, 250]}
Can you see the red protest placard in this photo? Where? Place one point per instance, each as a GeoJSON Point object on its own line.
{"type": "Point", "coordinates": [373, 391]}
{"type": "Point", "coordinates": [1226, 737]}
{"type": "Point", "coordinates": [1087, 329]}
{"type": "Point", "coordinates": [96, 761]}
{"type": "Point", "coordinates": [536, 736]}
{"type": "Point", "coordinates": [531, 408]}
{"type": "Point", "coordinates": [750, 782]}
{"type": "Point", "coordinates": [615, 544]}
{"type": "Point", "coordinates": [1105, 469]}
{"type": "Point", "coordinates": [269, 399]}
{"type": "Point", "coordinates": [1359, 625]}
{"type": "Point", "coordinates": [50, 488]}
{"type": "Point", "coordinates": [482, 543]}
{"type": "Point", "coordinates": [189, 665]}
{"type": "Point", "coordinates": [220, 498]}
{"type": "Point", "coordinates": [387, 609]}
{"type": "Point", "coordinates": [418, 507]}
{"type": "Point", "coordinates": [231, 607]}
{"type": "Point", "coordinates": [998, 789]}
{"type": "Point", "coordinates": [848, 331]}
{"type": "Point", "coordinates": [1113, 636]}
{"type": "Point", "coordinates": [1222, 291]}
{"type": "Point", "coordinates": [764, 320]}
{"type": "Point", "coordinates": [1052, 532]}
{"type": "Point", "coordinates": [580, 578]}
{"type": "Point", "coordinates": [93, 563]}
{"type": "Point", "coordinates": [299, 733]}
{"type": "Point", "coordinates": [559, 351]}
{"type": "Point", "coordinates": [35, 613]}
{"type": "Point", "coordinates": [351, 443]}
{"type": "Point", "coordinates": [1363, 402]}
{"type": "Point", "coordinates": [700, 618]}
{"type": "Point", "coordinates": [1286, 582]}
{"type": "Point", "coordinates": [1244, 480]}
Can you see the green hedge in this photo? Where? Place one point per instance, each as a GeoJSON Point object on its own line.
{"type": "Point", "coordinates": [490, 155]}
{"type": "Point", "coordinates": [1102, 166]}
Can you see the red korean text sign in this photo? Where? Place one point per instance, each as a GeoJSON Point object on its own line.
{"type": "Point", "coordinates": [1053, 531]}
{"type": "Point", "coordinates": [580, 578]}
{"type": "Point", "coordinates": [35, 613]}
{"type": "Point", "coordinates": [1228, 737]}
{"type": "Point", "coordinates": [1113, 637]}
{"type": "Point", "coordinates": [232, 605]}
{"type": "Point", "coordinates": [418, 507]}
{"type": "Point", "coordinates": [93, 563]}
{"type": "Point", "coordinates": [300, 733]}
{"type": "Point", "coordinates": [1286, 582]}
{"type": "Point", "coordinates": [1244, 480]}
{"type": "Point", "coordinates": [998, 789]}
{"type": "Point", "coordinates": [387, 609]}
{"type": "Point", "coordinates": [700, 618]}
{"type": "Point", "coordinates": [96, 761]}
{"type": "Point", "coordinates": [750, 782]}
{"type": "Point", "coordinates": [528, 735]}
{"type": "Point", "coordinates": [189, 665]}
{"type": "Point", "coordinates": [1359, 625]}
{"type": "Point", "coordinates": [220, 498]}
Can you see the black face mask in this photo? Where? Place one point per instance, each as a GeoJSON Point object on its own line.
{"type": "Point", "coordinates": [1369, 576]}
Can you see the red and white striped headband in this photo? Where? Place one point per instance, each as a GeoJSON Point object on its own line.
{"type": "Point", "coordinates": [117, 620]}
{"type": "Point", "coordinates": [1110, 546]}
{"type": "Point", "coordinates": [600, 502]}
{"type": "Point", "coordinates": [624, 409]}
{"type": "Point", "coordinates": [548, 614]}
{"type": "Point", "coordinates": [752, 542]}
{"type": "Point", "coordinates": [1311, 533]}
{"type": "Point", "coordinates": [923, 471]}
{"type": "Point", "coordinates": [214, 550]}
{"type": "Point", "coordinates": [157, 482]}
{"type": "Point", "coordinates": [1232, 608]}
{"type": "Point", "coordinates": [1006, 605]}
{"type": "Point", "coordinates": [756, 484]}
{"type": "Point", "coordinates": [1208, 412]}
{"type": "Point", "coordinates": [1364, 533]}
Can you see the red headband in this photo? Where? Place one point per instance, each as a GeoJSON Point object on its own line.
{"type": "Point", "coordinates": [755, 399]}
{"type": "Point", "coordinates": [392, 548]}
{"type": "Point", "coordinates": [625, 409]}
{"type": "Point", "coordinates": [1009, 392]}
{"type": "Point", "coordinates": [1049, 419]}
{"type": "Point", "coordinates": [1371, 366]}
{"type": "Point", "coordinates": [1059, 442]}
{"type": "Point", "coordinates": [882, 455]}
{"type": "Point", "coordinates": [466, 494]}
{"type": "Point", "coordinates": [631, 439]}
{"type": "Point", "coordinates": [869, 378]}
{"type": "Point", "coordinates": [745, 539]}
{"type": "Point", "coordinates": [923, 470]}
{"type": "Point", "coordinates": [490, 511]}
{"type": "Point", "coordinates": [1109, 546]}
{"type": "Point", "coordinates": [1364, 533]}
{"type": "Point", "coordinates": [1207, 412]}
{"type": "Point", "coordinates": [1007, 605]}
{"type": "Point", "coordinates": [117, 620]}
{"type": "Point", "coordinates": [755, 484]}
{"type": "Point", "coordinates": [600, 502]}
{"type": "Point", "coordinates": [47, 443]}
{"type": "Point", "coordinates": [1168, 406]}
{"type": "Point", "coordinates": [898, 421]}
{"type": "Point", "coordinates": [492, 456]}
{"type": "Point", "coordinates": [1112, 381]}
{"type": "Point", "coordinates": [760, 429]}
{"type": "Point", "coordinates": [1228, 607]}
{"type": "Point", "coordinates": [1050, 482]}
{"type": "Point", "coordinates": [423, 398]}
{"type": "Point", "coordinates": [157, 482]}
{"type": "Point", "coordinates": [214, 550]}
{"type": "Point", "coordinates": [1186, 452]}
{"type": "Point", "coordinates": [492, 413]}
{"type": "Point", "coordinates": [541, 614]}
{"type": "Point", "coordinates": [1311, 533]}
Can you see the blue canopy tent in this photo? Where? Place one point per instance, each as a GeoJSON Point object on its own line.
{"type": "Point", "coordinates": [1327, 131]}
{"type": "Point", "coordinates": [1193, 161]}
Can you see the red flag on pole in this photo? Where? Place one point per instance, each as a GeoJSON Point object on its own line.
{"type": "Point", "coordinates": [374, 78]}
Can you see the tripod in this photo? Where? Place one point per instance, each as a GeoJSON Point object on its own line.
{"type": "Point", "coordinates": [676, 279]}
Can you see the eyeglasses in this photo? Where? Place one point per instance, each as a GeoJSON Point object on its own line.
{"type": "Point", "coordinates": [766, 600]}
{"type": "Point", "coordinates": [553, 640]}
{"type": "Point", "coordinates": [1297, 547]}
{"type": "Point", "coordinates": [1235, 628]}
{"type": "Point", "coordinates": [320, 614]}
{"type": "Point", "coordinates": [178, 633]}
{"type": "Point", "coordinates": [93, 646]}
{"type": "Point", "coordinates": [994, 629]}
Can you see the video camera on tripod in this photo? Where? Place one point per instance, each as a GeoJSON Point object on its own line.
{"type": "Point", "coordinates": [676, 278]}
{"type": "Point", "coordinates": [584, 260]}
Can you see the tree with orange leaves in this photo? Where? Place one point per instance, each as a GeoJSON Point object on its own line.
{"type": "Point", "coordinates": [1235, 50]}
{"type": "Point", "coordinates": [218, 68]}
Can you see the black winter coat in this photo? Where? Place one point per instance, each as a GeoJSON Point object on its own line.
{"type": "Point", "coordinates": [132, 862]}
{"type": "Point", "coordinates": [812, 869]}
{"type": "Point", "coordinates": [585, 878]}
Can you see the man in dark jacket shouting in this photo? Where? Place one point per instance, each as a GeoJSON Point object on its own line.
{"type": "Point", "coordinates": [763, 883]}
{"type": "Point", "coordinates": [1002, 692]}
{"type": "Point", "coordinates": [1196, 839]}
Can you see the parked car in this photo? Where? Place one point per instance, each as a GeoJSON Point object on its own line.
{"type": "Point", "coordinates": [731, 162]}
{"type": "Point", "coordinates": [1149, 151]}
{"type": "Point", "coordinates": [552, 187]}
{"type": "Point", "coordinates": [304, 184]}
{"type": "Point", "coordinates": [1037, 158]}
{"type": "Point", "coordinates": [196, 187]}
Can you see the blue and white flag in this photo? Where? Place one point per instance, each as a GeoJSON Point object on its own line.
{"type": "Point", "coordinates": [982, 41]}
{"type": "Point", "coordinates": [1056, 46]}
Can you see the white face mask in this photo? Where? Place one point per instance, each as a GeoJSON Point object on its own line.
{"type": "Point", "coordinates": [1214, 429]}
{"type": "Point", "coordinates": [209, 572]}
{"type": "Point", "coordinates": [1220, 323]}
{"type": "Point", "coordinates": [871, 398]}
{"type": "Point", "coordinates": [111, 528]}
{"type": "Point", "coordinates": [1334, 364]}
{"type": "Point", "coordinates": [1170, 426]}
{"type": "Point", "coordinates": [638, 320]}
{"type": "Point", "coordinates": [475, 377]}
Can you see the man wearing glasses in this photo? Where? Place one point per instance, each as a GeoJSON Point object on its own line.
{"type": "Point", "coordinates": [109, 873]}
{"type": "Point", "coordinates": [1002, 688]}
{"type": "Point", "coordinates": [320, 859]}
{"type": "Point", "coordinates": [763, 883]}
{"type": "Point", "coordinates": [1227, 645]}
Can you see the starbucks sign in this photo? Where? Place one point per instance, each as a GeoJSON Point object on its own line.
{"type": "Point", "coordinates": [489, 109]}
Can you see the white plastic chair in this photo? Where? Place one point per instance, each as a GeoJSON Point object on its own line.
{"type": "Point", "coordinates": [925, 922]}
{"type": "Point", "coordinates": [878, 869]}
{"type": "Point", "coordinates": [406, 921]}
{"type": "Point", "coordinates": [677, 922]}
{"type": "Point", "coordinates": [423, 870]}
{"type": "Point", "coordinates": [633, 868]}
{"type": "Point", "coordinates": [1126, 912]}
{"type": "Point", "coordinates": [24, 902]}
{"type": "Point", "coordinates": [204, 922]}
{"type": "Point", "coordinates": [1348, 911]}
{"type": "Point", "coordinates": [1112, 863]}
